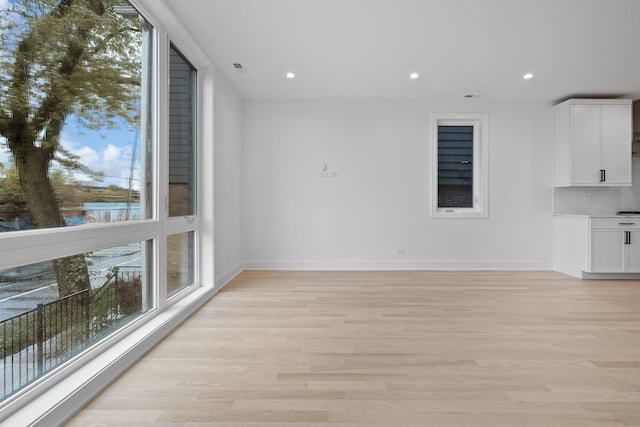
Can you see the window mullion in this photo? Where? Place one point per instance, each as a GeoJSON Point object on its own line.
{"type": "Point", "coordinates": [162, 106]}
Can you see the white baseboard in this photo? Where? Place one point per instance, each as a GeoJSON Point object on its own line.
{"type": "Point", "coordinates": [610, 276]}
{"type": "Point", "coordinates": [398, 265]}
{"type": "Point", "coordinates": [225, 278]}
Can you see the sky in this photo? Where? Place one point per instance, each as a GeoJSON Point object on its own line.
{"type": "Point", "coordinates": [107, 151]}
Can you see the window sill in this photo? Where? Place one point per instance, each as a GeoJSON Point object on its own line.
{"type": "Point", "coordinates": [459, 213]}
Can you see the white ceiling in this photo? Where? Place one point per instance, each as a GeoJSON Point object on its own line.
{"type": "Point", "coordinates": [366, 48]}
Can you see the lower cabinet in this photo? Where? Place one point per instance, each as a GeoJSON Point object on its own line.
{"type": "Point", "coordinates": [584, 244]}
{"type": "Point", "coordinates": [633, 252]}
{"type": "Point", "coordinates": [607, 251]}
{"type": "Point", "coordinates": [617, 251]}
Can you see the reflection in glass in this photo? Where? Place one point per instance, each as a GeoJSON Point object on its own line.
{"type": "Point", "coordinates": [180, 265]}
{"type": "Point", "coordinates": [41, 328]}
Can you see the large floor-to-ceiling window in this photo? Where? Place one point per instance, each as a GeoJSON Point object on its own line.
{"type": "Point", "coordinates": [99, 223]}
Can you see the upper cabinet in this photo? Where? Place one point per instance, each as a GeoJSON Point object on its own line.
{"type": "Point", "coordinates": [593, 142]}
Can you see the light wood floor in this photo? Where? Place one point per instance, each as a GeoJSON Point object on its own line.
{"type": "Point", "coordinates": [392, 349]}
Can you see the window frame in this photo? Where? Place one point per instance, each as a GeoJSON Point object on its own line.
{"type": "Point", "coordinates": [480, 124]}
{"type": "Point", "coordinates": [187, 223]}
{"type": "Point", "coordinates": [85, 374]}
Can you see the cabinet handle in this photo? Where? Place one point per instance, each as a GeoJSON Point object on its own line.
{"type": "Point", "coordinates": [626, 223]}
{"type": "Point", "coordinates": [603, 175]}
{"type": "Point", "coordinates": [627, 237]}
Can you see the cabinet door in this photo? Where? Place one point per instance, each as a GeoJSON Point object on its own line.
{"type": "Point", "coordinates": [616, 143]}
{"type": "Point", "coordinates": [607, 251]}
{"type": "Point", "coordinates": [633, 252]}
{"type": "Point", "coordinates": [585, 147]}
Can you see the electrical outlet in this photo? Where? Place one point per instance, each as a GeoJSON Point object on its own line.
{"type": "Point", "coordinates": [400, 251]}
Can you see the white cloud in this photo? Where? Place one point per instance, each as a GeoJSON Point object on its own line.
{"type": "Point", "coordinates": [113, 161]}
{"type": "Point", "coordinates": [88, 156]}
{"type": "Point", "coordinates": [112, 153]}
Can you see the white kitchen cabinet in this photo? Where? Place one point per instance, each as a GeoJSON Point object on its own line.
{"type": "Point", "coordinates": [633, 252]}
{"type": "Point", "coordinates": [606, 251]}
{"type": "Point", "coordinates": [593, 142]}
{"type": "Point", "coordinates": [615, 245]}
{"type": "Point", "coordinates": [586, 245]}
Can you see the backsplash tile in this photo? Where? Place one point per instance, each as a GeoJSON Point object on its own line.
{"type": "Point", "coordinates": [599, 200]}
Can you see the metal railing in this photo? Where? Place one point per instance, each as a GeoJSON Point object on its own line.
{"type": "Point", "coordinates": [37, 341]}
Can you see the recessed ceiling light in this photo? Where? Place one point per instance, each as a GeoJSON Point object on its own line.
{"type": "Point", "coordinates": [528, 76]}
{"type": "Point", "coordinates": [290, 75]}
{"type": "Point", "coordinates": [414, 76]}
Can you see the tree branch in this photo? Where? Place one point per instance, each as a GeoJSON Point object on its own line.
{"type": "Point", "coordinates": [55, 107]}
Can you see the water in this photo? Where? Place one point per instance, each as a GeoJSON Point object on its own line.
{"type": "Point", "coordinates": [105, 212]}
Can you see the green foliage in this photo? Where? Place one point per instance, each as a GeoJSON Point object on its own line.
{"type": "Point", "coordinates": [79, 57]}
{"type": "Point", "coordinates": [12, 202]}
{"type": "Point", "coordinates": [15, 337]}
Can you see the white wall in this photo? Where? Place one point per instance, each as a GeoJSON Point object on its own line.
{"type": "Point", "coordinates": [380, 200]}
{"type": "Point", "coordinates": [228, 180]}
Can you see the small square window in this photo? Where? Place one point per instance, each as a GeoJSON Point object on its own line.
{"type": "Point", "coordinates": [459, 162]}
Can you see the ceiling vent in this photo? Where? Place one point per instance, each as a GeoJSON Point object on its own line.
{"type": "Point", "coordinates": [239, 68]}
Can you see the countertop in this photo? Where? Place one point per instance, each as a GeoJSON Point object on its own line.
{"type": "Point", "coordinates": [614, 216]}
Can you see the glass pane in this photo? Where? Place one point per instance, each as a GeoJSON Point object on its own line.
{"type": "Point", "coordinates": [45, 322]}
{"type": "Point", "coordinates": [75, 145]}
{"type": "Point", "coordinates": [182, 104]}
{"type": "Point", "coordinates": [455, 166]}
{"type": "Point", "coordinates": [180, 262]}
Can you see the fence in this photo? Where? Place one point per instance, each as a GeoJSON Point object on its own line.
{"type": "Point", "coordinates": [37, 341]}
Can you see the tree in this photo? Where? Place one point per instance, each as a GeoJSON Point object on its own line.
{"type": "Point", "coordinates": [63, 58]}
{"type": "Point", "coordinates": [12, 204]}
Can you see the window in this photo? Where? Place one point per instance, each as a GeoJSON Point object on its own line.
{"type": "Point", "coordinates": [182, 103]}
{"type": "Point", "coordinates": [40, 331]}
{"type": "Point", "coordinates": [182, 170]}
{"type": "Point", "coordinates": [76, 177]}
{"type": "Point", "coordinates": [180, 257]}
{"type": "Point", "coordinates": [88, 246]}
{"type": "Point", "coordinates": [74, 137]}
{"type": "Point", "coordinates": [459, 165]}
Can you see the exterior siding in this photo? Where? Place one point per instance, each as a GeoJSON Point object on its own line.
{"type": "Point", "coordinates": [455, 166]}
